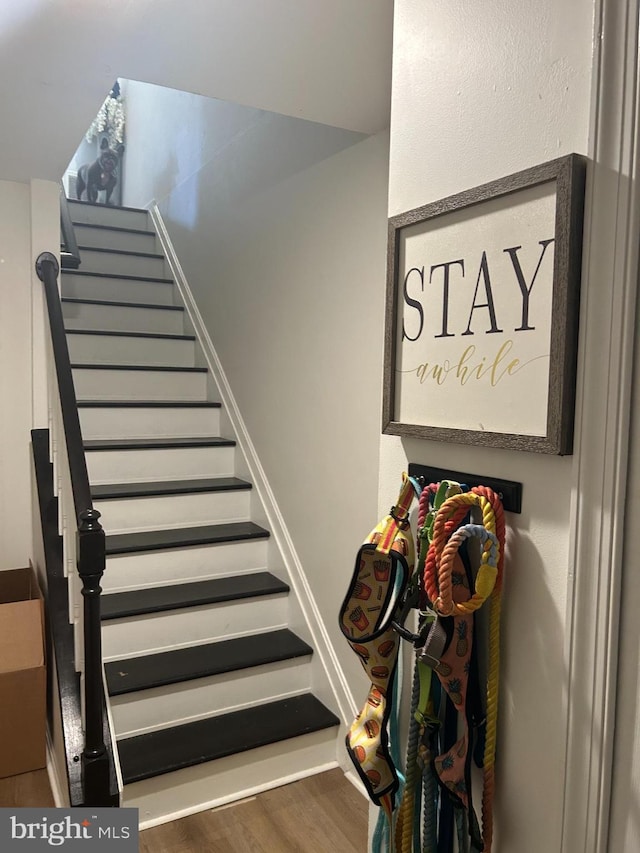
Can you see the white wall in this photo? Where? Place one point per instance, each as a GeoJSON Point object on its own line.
{"type": "Point", "coordinates": [220, 152]}
{"type": "Point", "coordinates": [15, 374]}
{"type": "Point", "coordinates": [29, 224]}
{"type": "Point", "coordinates": [480, 91]}
{"type": "Point", "coordinates": [290, 283]}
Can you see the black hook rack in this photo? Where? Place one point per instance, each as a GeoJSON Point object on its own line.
{"type": "Point", "coordinates": [510, 492]}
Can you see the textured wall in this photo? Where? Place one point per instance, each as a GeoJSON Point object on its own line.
{"type": "Point", "coordinates": [480, 91]}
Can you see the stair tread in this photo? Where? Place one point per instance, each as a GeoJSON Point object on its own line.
{"type": "Point", "coordinates": [172, 667]}
{"type": "Point", "coordinates": [156, 443]}
{"type": "Point", "coordinates": [154, 255]}
{"type": "Point", "coordinates": [118, 228]}
{"type": "Point", "coordinates": [106, 491]}
{"type": "Point", "coordinates": [114, 334]}
{"type": "Point", "coordinates": [148, 404]}
{"type": "Point", "coordinates": [182, 537]}
{"type": "Point", "coordinates": [136, 602]}
{"type": "Point", "coordinates": [74, 201]}
{"type": "Point", "coordinates": [155, 753]}
{"type": "Point", "coordinates": [152, 367]}
{"type": "Point", "coordinates": [147, 278]}
{"type": "Point", "coordinates": [110, 302]}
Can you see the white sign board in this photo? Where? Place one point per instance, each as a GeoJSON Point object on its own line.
{"type": "Point", "coordinates": [482, 313]}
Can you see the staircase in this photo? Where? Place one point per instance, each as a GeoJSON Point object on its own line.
{"type": "Point", "coordinates": [210, 690]}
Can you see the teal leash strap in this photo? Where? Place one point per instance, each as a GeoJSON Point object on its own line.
{"type": "Point", "coordinates": [394, 727]}
{"type": "Point", "coordinates": [381, 841]}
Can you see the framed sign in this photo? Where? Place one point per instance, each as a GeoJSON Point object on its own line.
{"type": "Point", "coordinates": [482, 306]}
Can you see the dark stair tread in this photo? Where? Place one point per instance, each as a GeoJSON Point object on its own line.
{"type": "Point", "coordinates": [149, 278]}
{"type": "Point", "coordinates": [155, 255]}
{"type": "Point", "coordinates": [106, 206]}
{"type": "Point", "coordinates": [110, 303]}
{"type": "Point", "coordinates": [136, 602]}
{"type": "Point", "coordinates": [173, 667]}
{"type": "Point", "coordinates": [154, 368]}
{"type": "Point", "coordinates": [148, 404]}
{"type": "Point", "coordinates": [183, 537]}
{"type": "Point", "coordinates": [168, 487]}
{"type": "Point", "coordinates": [156, 443]}
{"type": "Point", "coordinates": [118, 228]}
{"type": "Point", "coordinates": [164, 751]}
{"type": "Point", "coordinates": [117, 334]}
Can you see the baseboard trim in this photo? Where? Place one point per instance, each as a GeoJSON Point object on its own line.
{"type": "Point", "coordinates": [299, 583]}
{"type": "Point", "coordinates": [237, 796]}
{"type": "Point", "coordinates": [355, 780]}
{"type": "Point", "coordinates": [57, 788]}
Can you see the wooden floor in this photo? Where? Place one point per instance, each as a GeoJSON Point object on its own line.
{"type": "Point", "coordinates": [28, 789]}
{"type": "Point", "coordinates": [321, 814]}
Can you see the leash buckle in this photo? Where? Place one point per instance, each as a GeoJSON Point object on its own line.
{"type": "Point", "coordinates": [411, 602]}
{"type": "Point", "coordinates": [401, 520]}
{"type": "Point", "coordinates": [409, 636]}
{"type": "Point", "coordinates": [430, 652]}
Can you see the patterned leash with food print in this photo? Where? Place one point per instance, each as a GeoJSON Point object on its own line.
{"type": "Point", "coordinates": [384, 565]}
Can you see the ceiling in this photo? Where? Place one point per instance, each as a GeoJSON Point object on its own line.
{"type": "Point", "coordinates": [327, 61]}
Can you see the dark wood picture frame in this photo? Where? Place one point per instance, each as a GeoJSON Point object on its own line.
{"type": "Point", "coordinates": [568, 173]}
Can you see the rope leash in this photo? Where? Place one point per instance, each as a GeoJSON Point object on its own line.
{"type": "Point", "coordinates": [493, 674]}
{"type": "Point", "coordinates": [440, 579]}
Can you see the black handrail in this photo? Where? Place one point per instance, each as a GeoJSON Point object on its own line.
{"type": "Point", "coordinates": [90, 550]}
{"type": "Point", "coordinates": [69, 252]}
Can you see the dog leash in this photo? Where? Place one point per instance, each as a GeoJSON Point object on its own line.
{"type": "Point", "coordinates": [384, 565]}
{"type": "Point", "coordinates": [451, 655]}
{"type": "Point", "coordinates": [447, 596]}
{"type": "Point", "coordinates": [437, 788]}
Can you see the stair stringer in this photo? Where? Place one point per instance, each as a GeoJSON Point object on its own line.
{"type": "Point", "coordinates": [329, 683]}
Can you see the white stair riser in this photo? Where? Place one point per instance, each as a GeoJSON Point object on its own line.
{"type": "Point", "coordinates": [104, 215]}
{"type": "Point", "coordinates": [113, 318]}
{"type": "Point", "coordinates": [216, 783]}
{"type": "Point", "coordinates": [117, 289]}
{"type": "Point", "coordinates": [153, 513]}
{"type": "Point", "coordinates": [122, 264]}
{"type": "Point", "coordinates": [181, 628]}
{"type": "Point", "coordinates": [155, 568]}
{"type": "Point", "coordinates": [175, 704]}
{"type": "Point", "coordinates": [101, 384]}
{"type": "Point", "coordinates": [126, 241]}
{"type": "Point", "coordinates": [141, 466]}
{"type": "Point", "coordinates": [115, 349]}
{"type": "Point", "coordinates": [123, 422]}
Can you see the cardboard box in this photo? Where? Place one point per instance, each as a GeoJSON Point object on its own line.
{"type": "Point", "coordinates": [22, 673]}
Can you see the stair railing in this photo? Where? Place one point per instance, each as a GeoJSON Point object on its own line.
{"type": "Point", "coordinates": [69, 252]}
{"type": "Point", "coordinates": [83, 542]}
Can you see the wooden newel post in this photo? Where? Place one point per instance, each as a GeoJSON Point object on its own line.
{"type": "Point", "coordinates": [91, 564]}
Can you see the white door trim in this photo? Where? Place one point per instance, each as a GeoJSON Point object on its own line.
{"type": "Point", "coordinates": [607, 331]}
